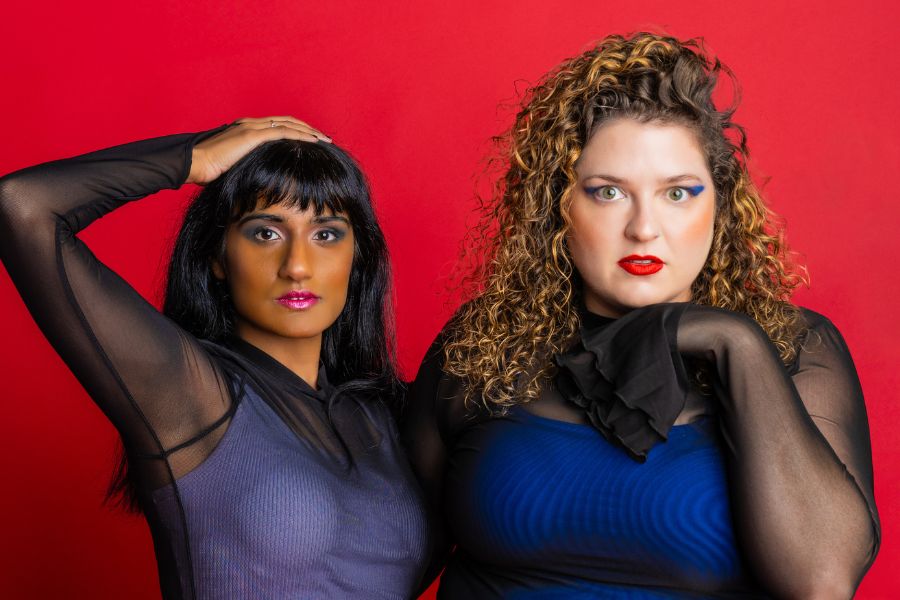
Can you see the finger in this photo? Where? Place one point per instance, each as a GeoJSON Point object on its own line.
{"type": "Point", "coordinates": [277, 123]}
{"type": "Point", "coordinates": [272, 124]}
{"type": "Point", "coordinates": [267, 119]}
{"type": "Point", "coordinates": [292, 122]}
{"type": "Point", "coordinates": [277, 119]}
{"type": "Point", "coordinates": [290, 119]}
{"type": "Point", "coordinates": [287, 133]}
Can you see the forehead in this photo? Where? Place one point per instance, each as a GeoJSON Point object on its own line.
{"type": "Point", "coordinates": [292, 209]}
{"type": "Point", "coordinates": [631, 150]}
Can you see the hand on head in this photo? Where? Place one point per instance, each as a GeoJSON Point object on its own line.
{"type": "Point", "coordinates": [215, 155]}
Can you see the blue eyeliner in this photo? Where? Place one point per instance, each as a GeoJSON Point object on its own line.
{"type": "Point", "coordinates": [695, 190]}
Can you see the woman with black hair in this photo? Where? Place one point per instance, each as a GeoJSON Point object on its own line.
{"type": "Point", "coordinates": [255, 412]}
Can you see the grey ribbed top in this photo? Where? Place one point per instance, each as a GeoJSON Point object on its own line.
{"type": "Point", "coordinates": [254, 484]}
{"type": "Point", "coordinates": [269, 516]}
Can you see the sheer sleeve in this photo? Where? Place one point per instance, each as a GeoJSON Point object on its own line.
{"type": "Point", "coordinates": [432, 416]}
{"type": "Point", "coordinates": [799, 449]}
{"type": "Point", "coordinates": [153, 380]}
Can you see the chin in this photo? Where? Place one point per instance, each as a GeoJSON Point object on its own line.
{"type": "Point", "coordinates": [633, 301]}
{"type": "Point", "coordinates": [297, 330]}
{"type": "Point", "coordinates": [631, 295]}
{"type": "Point", "coordinates": [299, 334]}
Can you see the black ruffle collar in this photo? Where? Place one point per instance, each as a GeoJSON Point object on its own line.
{"type": "Point", "coordinates": [627, 375]}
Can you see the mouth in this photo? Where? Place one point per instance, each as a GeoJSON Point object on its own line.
{"type": "Point", "coordinates": [641, 265]}
{"type": "Point", "coordinates": [298, 300]}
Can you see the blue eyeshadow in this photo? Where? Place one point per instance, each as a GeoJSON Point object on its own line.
{"type": "Point", "coordinates": [695, 190]}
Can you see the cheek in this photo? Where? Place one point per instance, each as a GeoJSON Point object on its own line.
{"type": "Point", "coordinates": [586, 248]}
{"type": "Point", "coordinates": [697, 233]}
{"type": "Point", "coordinates": [588, 237]}
{"type": "Point", "coordinates": [338, 267]}
{"type": "Point", "coordinates": [247, 269]}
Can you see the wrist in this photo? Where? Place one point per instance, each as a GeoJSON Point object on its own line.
{"type": "Point", "coordinates": [196, 162]}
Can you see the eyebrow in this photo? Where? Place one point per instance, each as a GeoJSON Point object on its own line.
{"type": "Point", "coordinates": [330, 218]}
{"type": "Point", "coordinates": [317, 220]}
{"type": "Point", "coordinates": [620, 180]}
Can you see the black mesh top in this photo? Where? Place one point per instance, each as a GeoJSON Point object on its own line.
{"type": "Point", "coordinates": [624, 480]}
{"type": "Point", "coordinates": [254, 484]}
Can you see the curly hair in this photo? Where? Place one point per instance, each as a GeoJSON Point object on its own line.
{"type": "Point", "coordinates": [522, 288]}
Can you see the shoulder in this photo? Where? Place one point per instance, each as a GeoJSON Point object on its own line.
{"type": "Point", "coordinates": [820, 330]}
{"type": "Point", "coordinates": [813, 319]}
{"type": "Point", "coordinates": [822, 344]}
{"type": "Point", "coordinates": [825, 375]}
{"type": "Point", "coordinates": [438, 391]}
{"type": "Point", "coordinates": [432, 375]}
{"type": "Point", "coordinates": [432, 365]}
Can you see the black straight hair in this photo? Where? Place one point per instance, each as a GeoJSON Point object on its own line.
{"type": "Point", "coordinates": [358, 349]}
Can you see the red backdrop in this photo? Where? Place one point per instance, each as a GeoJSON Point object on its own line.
{"type": "Point", "coordinates": [412, 89]}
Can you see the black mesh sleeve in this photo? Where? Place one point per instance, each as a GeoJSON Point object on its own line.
{"type": "Point", "coordinates": [799, 453]}
{"type": "Point", "coordinates": [433, 414]}
{"type": "Point", "coordinates": [153, 380]}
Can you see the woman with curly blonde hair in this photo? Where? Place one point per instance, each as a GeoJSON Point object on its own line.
{"type": "Point", "coordinates": [629, 405]}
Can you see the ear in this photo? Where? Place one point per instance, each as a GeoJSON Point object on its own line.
{"type": "Point", "coordinates": [218, 270]}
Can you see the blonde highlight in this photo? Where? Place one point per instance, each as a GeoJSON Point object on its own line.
{"type": "Point", "coordinates": [521, 283]}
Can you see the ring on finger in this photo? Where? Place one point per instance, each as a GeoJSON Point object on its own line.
{"type": "Point", "coordinates": [271, 124]}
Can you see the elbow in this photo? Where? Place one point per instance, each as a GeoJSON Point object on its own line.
{"type": "Point", "coordinates": [13, 207]}
{"type": "Point", "coordinates": [20, 206]}
{"type": "Point", "coordinates": [833, 575]}
{"type": "Point", "coordinates": [832, 589]}
{"type": "Point", "coordinates": [24, 223]}
{"type": "Point", "coordinates": [7, 192]}
{"type": "Point", "coordinates": [8, 205]}
{"type": "Point", "coordinates": [838, 576]}
{"type": "Point", "coordinates": [829, 582]}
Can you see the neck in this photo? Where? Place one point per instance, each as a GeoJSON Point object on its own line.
{"type": "Point", "coordinates": [300, 355]}
{"type": "Point", "coordinates": [600, 308]}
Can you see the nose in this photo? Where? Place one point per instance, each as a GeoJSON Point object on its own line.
{"type": "Point", "coordinates": [297, 261]}
{"type": "Point", "coordinates": [643, 224]}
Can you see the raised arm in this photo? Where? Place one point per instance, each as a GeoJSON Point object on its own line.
{"type": "Point", "coordinates": [153, 380]}
{"type": "Point", "coordinates": [800, 456]}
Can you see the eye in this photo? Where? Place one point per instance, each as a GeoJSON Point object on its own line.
{"type": "Point", "coordinates": [680, 194]}
{"type": "Point", "coordinates": [676, 194]}
{"type": "Point", "coordinates": [265, 234]}
{"type": "Point", "coordinates": [328, 235]}
{"type": "Point", "coordinates": [605, 193]}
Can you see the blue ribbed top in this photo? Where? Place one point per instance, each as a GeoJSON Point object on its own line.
{"type": "Point", "coordinates": [542, 508]}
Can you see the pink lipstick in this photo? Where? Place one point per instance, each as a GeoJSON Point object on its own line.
{"type": "Point", "coordinates": [298, 300]}
{"type": "Point", "coordinates": [641, 265]}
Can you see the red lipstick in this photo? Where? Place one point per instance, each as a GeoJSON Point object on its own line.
{"type": "Point", "coordinates": [298, 300]}
{"type": "Point", "coordinates": [641, 265]}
